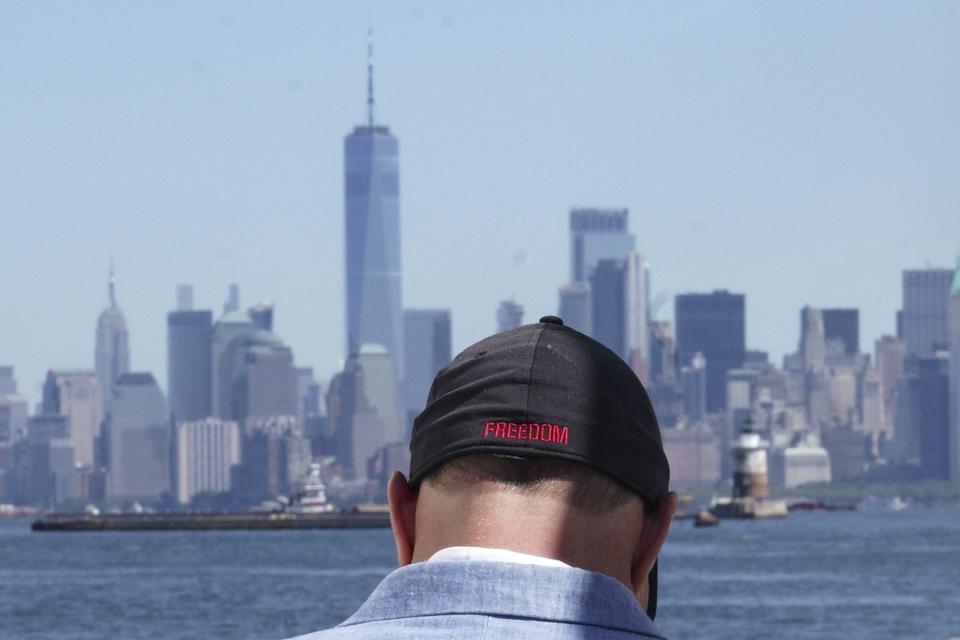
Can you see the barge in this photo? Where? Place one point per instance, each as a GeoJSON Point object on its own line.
{"type": "Point", "coordinates": [211, 521]}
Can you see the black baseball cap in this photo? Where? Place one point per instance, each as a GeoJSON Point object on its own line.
{"type": "Point", "coordinates": [543, 390]}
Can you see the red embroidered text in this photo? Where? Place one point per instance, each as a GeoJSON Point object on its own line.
{"type": "Point", "coordinates": [540, 432]}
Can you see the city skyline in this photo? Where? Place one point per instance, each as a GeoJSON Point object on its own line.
{"type": "Point", "coordinates": [839, 240]}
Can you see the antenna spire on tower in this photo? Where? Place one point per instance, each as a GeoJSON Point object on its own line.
{"type": "Point", "coordinates": [370, 77]}
{"type": "Point", "coordinates": [110, 286]}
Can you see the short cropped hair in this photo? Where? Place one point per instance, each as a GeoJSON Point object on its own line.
{"type": "Point", "coordinates": [592, 491]}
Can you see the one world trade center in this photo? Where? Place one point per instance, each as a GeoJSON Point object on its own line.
{"type": "Point", "coordinates": [374, 310]}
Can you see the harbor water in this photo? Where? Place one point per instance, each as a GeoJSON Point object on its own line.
{"type": "Point", "coordinates": [813, 575]}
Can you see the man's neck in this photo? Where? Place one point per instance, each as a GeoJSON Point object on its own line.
{"type": "Point", "coordinates": [492, 554]}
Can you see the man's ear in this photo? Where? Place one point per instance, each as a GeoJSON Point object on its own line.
{"type": "Point", "coordinates": [403, 511]}
{"type": "Point", "coordinates": [656, 525]}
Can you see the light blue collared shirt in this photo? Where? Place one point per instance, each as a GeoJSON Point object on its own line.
{"type": "Point", "coordinates": [495, 600]}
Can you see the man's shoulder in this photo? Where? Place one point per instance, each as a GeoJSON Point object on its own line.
{"type": "Point", "coordinates": [472, 626]}
{"type": "Point", "coordinates": [496, 600]}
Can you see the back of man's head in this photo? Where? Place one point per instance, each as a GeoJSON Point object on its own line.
{"type": "Point", "coordinates": [538, 440]}
{"type": "Point", "coordinates": [578, 487]}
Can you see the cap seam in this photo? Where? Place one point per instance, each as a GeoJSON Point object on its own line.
{"type": "Point", "coordinates": [533, 360]}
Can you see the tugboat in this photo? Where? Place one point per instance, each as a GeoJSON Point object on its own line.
{"type": "Point", "coordinates": [313, 498]}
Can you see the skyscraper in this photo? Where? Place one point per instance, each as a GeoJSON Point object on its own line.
{"type": "Point", "coordinates": [608, 317]}
{"type": "Point", "coordinates": [713, 324]}
{"type": "Point", "coordinates": [362, 411]}
{"type": "Point", "coordinates": [265, 384]}
{"type": "Point", "coordinates": [925, 293]}
{"type": "Point", "coordinates": [189, 336]}
{"type": "Point", "coordinates": [372, 187]}
{"type": "Point", "coordinates": [229, 334]}
{"type": "Point", "coordinates": [595, 235]}
{"type": "Point", "coordinates": [112, 355]}
{"type": "Point", "coordinates": [139, 434]}
{"type": "Point", "coordinates": [8, 382]}
{"type": "Point", "coordinates": [206, 453]}
{"type": "Point", "coordinates": [184, 297]}
{"type": "Point", "coordinates": [843, 325]}
{"type": "Point", "coordinates": [253, 371]}
{"type": "Point", "coordinates": [662, 357]}
{"type": "Point", "coordinates": [13, 407]}
{"type": "Point", "coordinates": [509, 315]}
{"type": "Point", "coordinates": [636, 302]}
{"type": "Point", "coordinates": [693, 379]}
{"type": "Point", "coordinates": [953, 309]}
{"type": "Point", "coordinates": [77, 395]}
{"type": "Point", "coordinates": [934, 421]}
{"type": "Point", "coordinates": [953, 333]}
{"type": "Point", "coordinates": [889, 353]}
{"type": "Point", "coordinates": [426, 338]}
{"type": "Point", "coordinates": [232, 302]}
{"type": "Point", "coordinates": [261, 315]}
{"type": "Point", "coordinates": [575, 306]}
{"type": "Point", "coordinates": [813, 347]}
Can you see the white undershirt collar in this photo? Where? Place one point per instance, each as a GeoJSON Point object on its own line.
{"type": "Point", "coordinates": [485, 554]}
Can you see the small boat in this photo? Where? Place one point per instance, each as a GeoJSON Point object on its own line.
{"type": "Point", "coordinates": [873, 503]}
{"type": "Point", "coordinates": [705, 519]}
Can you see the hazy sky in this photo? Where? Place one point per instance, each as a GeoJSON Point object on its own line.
{"type": "Point", "coordinates": [799, 153]}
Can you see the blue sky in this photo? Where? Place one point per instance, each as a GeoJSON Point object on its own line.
{"type": "Point", "coordinates": [799, 153]}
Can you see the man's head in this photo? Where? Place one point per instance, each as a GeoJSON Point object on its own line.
{"type": "Point", "coordinates": [539, 440]}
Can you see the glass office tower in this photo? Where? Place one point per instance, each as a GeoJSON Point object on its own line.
{"type": "Point", "coordinates": [374, 308]}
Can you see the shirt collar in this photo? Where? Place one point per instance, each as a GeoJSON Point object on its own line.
{"type": "Point", "coordinates": [487, 554]}
{"type": "Point", "coordinates": [559, 594]}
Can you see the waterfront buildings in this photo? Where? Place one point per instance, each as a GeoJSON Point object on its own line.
{"type": "Point", "coordinates": [372, 225]}
{"type": "Point", "coordinates": [712, 324]}
{"type": "Point", "coordinates": [275, 457]}
{"type": "Point", "coordinates": [50, 474]}
{"type": "Point", "coordinates": [112, 354]}
{"type": "Point", "coordinates": [139, 440]}
{"type": "Point", "coordinates": [206, 452]}
{"type": "Point", "coordinates": [694, 454]}
{"type": "Point", "coordinates": [801, 464]}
